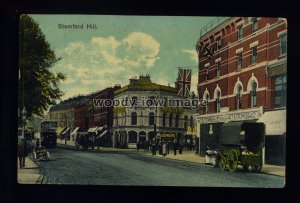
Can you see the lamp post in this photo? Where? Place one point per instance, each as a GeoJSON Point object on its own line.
{"type": "Point", "coordinates": [155, 93]}
{"type": "Point", "coordinates": [23, 121]}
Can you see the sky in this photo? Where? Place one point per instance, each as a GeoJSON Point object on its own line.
{"type": "Point", "coordinates": [122, 47]}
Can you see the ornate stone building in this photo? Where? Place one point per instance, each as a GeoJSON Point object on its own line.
{"type": "Point", "coordinates": [145, 123]}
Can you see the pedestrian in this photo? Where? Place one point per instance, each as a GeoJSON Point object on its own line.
{"type": "Point", "coordinates": [168, 147]}
{"type": "Point", "coordinates": [153, 149]}
{"type": "Point", "coordinates": [37, 144]}
{"type": "Point", "coordinates": [175, 147]}
{"type": "Point", "coordinates": [160, 148]}
{"type": "Point", "coordinates": [22, 152]}
{"type": "Point", "coordinates": [138, 146]}
{"type": "Point", "coordinates": [164, 149]}
{"type": "Point", "coordinates": [180, 147]}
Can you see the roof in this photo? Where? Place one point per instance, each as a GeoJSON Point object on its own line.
{"type": "Point", "coordinates": [145, 84]}
{"type": "Point", "coordinates": [213, 25]}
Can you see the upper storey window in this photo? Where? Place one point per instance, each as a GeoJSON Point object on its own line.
{"type": "Point", "coordinates": [240, 32]}
{"type": "Point", "coordinates": [283, 44]}
{"type": "Point", "coordinates": [219, 43]}
{"type": "Point", "coordinates": [239, 61]}
{"type": "Point", "coordinates": [254, 24]}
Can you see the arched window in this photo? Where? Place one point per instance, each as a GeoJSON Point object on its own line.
{"type": "Point", "coordinates": [185, 122]}
{"type": "Point", "coordinates": [171, 120]}
{"type": "Point", "coordinates": [239, 97]}
{"type": "Point", "coordinates": [164, 120]}
{"type": "Point", "coordinates": [151, 118]}
{"type": "Point", "coordinates": [253, 94]}
{"type": "Point", "coordinates": [133, 118]}
{"type": "Point", "coordinates": [177, 121]}
{"type": "Point", "coordinates": [218, 102]}
{"type": "Point", "coordinates": [206, 104]}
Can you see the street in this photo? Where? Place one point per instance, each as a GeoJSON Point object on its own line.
{"type": "Point", "coordinates": [142, 169]}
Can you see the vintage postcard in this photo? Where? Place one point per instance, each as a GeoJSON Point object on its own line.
{"type": "Point", "coordinates": [152, 100]}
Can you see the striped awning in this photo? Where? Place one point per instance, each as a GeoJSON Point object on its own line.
{"type": "Point", "coordinates": [92, 130]}
{"type": "Point", "coordinates": [98, 130]}
{"type": "Point", "coordinates": [75, 130]}
{"type": "Point", "coordinates": [66, 130]}
{"type": "Point", "coordinates": [103, 133]}
{"type": "Point", "coordinates": [59, 130]}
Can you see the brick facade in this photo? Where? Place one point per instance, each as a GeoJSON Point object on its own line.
{"type": "Point", "coordinates": [266, 41]}
{"type": "Point", "coordinates": [104, 115]}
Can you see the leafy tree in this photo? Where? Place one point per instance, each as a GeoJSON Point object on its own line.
{"type": "Point", "coordinates": [38, 86]}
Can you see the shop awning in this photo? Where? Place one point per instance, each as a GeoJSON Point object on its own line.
{"type": "Point", "coordinates": [92, 130]}
{"type": "Point", "coordinates": [167, 135]}
{"type": "Point", "coordinates": [275, 122]}
{"type": "Point", "coordinates": [75, 130]}
{"type": "Point", "coordinates": [98, 130]}
{"type": "Point", "coordinates": [59, 130]}
{"type": "Point", "coordinates": [103, 133]}
{"type": "Point", "coordinates": [66, 130]}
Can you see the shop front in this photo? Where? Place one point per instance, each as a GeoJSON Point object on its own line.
{"type": "Point", "coordinates": [209, 125]}
{"type": "Point", "coordinates": [275, 139]}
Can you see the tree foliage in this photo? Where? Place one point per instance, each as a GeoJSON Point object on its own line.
{"type": "Point", "coordinates": [38, 86]}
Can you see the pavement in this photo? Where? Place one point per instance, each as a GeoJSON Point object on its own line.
{"type": "Point", "coordinates": [189, 156]}
{"type": "Point", "coordinates": [30, 174]}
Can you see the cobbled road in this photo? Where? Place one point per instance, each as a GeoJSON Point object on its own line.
{"type": "Point", "coordinates": [139, 169]}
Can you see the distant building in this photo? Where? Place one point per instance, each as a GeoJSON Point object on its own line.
{"type": "Point", "coordinates": [242, 74]}
{"type": "Point", "coordinates": [139, 124]}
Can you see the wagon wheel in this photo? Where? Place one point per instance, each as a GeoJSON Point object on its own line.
{"type": "Point", "coordinates": [245, 167]}
{"type": "Point", "coordinates": [232, 160]}
{"type": "Point", "coordinates": [256, 169]}
{"type": "Point", "coordinates": [223, 163]}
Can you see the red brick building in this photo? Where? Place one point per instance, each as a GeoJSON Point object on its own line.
{"type": "Point", "coordinates": [104, 116]}
{"type": "Point", "coordinates": [79, 116]}
{"type": "Point", "coordinates": [242, 69]}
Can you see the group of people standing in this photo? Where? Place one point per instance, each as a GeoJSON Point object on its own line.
{"type": "Point", "coordinates": [163, 147]}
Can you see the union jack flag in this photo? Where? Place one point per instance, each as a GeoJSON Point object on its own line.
{"type": "Point", "coordinates": [183, 83]}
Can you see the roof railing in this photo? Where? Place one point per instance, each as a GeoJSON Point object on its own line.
{"type": "Point", "coordinates": [212, 24]}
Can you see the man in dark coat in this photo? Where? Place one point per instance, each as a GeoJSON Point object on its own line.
{"type": "Point", "coordinates": [22, 152]}
{"type": "Point", "coordinates": [175, 147]}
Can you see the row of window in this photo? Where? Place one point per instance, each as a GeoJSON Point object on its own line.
{"type": "Point", "coordinates": [279, 99]}
{"type": "Point", "coordinates": [254, 28]}
{"type": "Point", "coordinates": [253, 58]}
{"type": "Point", "coordinates": [170, 118]}
{"type": "Point", "coordinates": [238, 98]}
{"type": "Point", "coordinates": [240, 32]}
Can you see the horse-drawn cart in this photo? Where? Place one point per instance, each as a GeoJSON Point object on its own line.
{"type": "Point", "coordinates": [241, 144]}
